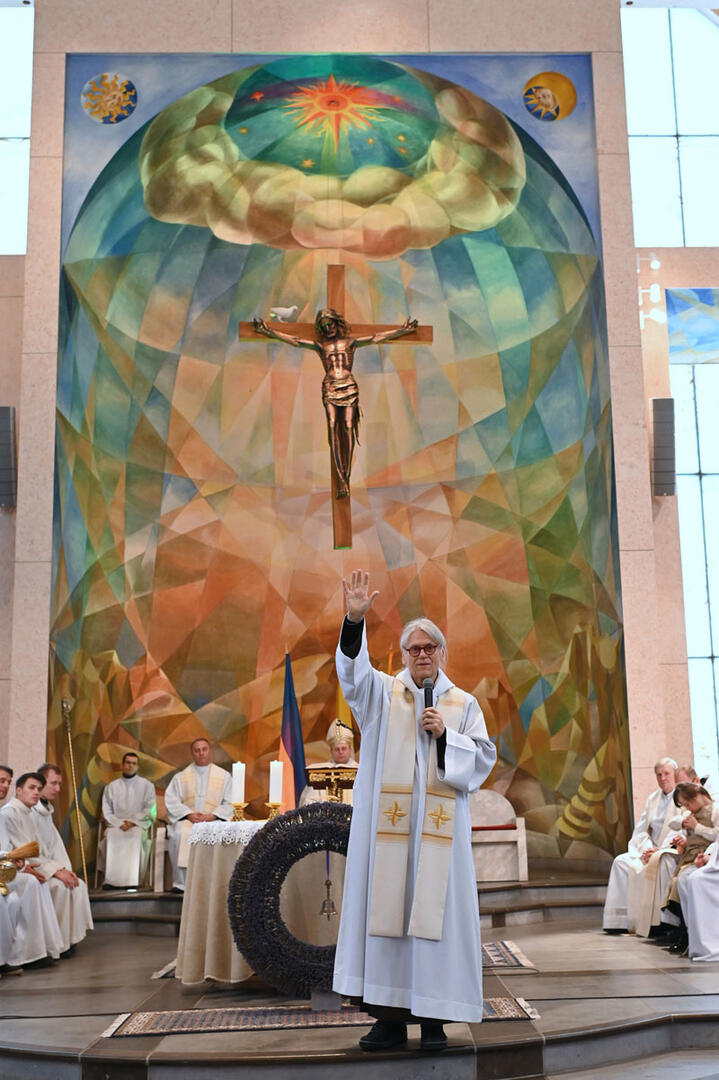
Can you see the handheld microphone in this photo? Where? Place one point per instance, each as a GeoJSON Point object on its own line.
{"type": "Point", "coordinates": [428, 687]}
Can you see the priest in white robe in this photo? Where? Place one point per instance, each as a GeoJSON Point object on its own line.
{"type": "Point", "coordinates": [36, 932]}
{"type": "Point", "coordinates": [639, 877]}
{"type": "Point", "coordinates": [699, 898]}
{"type": "Point", "coordinates": [201, 792]}
{"type": "Point", "coordinates": [409, 940]}
{"type": "Point", "coordinates": [27, 818]}
{"type": "Point", "coordinates": [341, 742]}
{"type": "Point", "coordinates": [128, 807]}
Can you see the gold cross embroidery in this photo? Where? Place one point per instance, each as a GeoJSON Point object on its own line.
{"type": "Point", "coordinates": [394, 814]}
{"type": "Point", "coordinates": [439, 817]}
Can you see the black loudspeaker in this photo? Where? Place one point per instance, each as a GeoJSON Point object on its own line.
{"type": "Point", "coordinates": [8, 457]}
{"type": "Point", "coordinates": [664, 466]}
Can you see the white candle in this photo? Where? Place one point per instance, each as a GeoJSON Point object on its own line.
{"type": "Point", "coordinates": [238, 782]}
{"type": "Point", "coordinates": [275, 782]}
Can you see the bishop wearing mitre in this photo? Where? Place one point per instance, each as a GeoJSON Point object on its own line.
{"type": "Point", "coordinates": [341, 741]}
{"type": "Point", "coordinates": [201, 792]}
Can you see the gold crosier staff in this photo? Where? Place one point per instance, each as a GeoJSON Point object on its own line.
{"type": "Point", "coordinates": [66, 718]}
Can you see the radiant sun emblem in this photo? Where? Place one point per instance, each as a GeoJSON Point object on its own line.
{"type": "Point", "coordinates": [328, 107]}
{"type": "Point", "coordinates": [109, 98]}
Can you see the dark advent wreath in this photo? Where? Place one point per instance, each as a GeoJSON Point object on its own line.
{"type": "Point", "coordinates": [290, 965]}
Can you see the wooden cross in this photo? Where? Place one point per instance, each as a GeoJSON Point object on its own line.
{"type": "Point", "coordinates": [341, 507]}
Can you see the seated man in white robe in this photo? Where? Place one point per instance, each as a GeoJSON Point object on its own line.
{"type": "Point", "coordinates": [25, 822]}
{"type": "Point", "coordinates": [128, 807]}
{"type": "Point", "coordinates": [36, 934]}
{"type": "Point", "coordinates": [638, 879]}
{"type": "Point", "coordinates": [201, 792]}
{"type": "Point", "coordinates": [687, 774]}
{"type": "Point", "coordinates": [699, 898]}
{"type": "Point", "coordinates": [341, 742]}
{"type": "Point", "coordinates": [409, 941]}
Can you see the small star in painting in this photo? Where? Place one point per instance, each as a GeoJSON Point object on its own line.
{"type": "Point", "coordinates": [308, 163]}
{"type": "Point", "coordinates": [257, 96]}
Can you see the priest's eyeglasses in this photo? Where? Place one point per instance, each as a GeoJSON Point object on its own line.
{"type": "Point", "coordinates": [415, 650]}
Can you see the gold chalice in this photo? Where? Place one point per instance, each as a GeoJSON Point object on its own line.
{"type": "Point", "coordinates": [8, 871]}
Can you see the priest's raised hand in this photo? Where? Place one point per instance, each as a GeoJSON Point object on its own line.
{"type": "Point", "coordinates": [358, 599]}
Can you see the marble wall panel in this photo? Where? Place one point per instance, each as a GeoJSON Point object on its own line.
{"type": "Point", "coordinates": [180, 26]}
{"type": "Point", "coordinates": [322, 26]}
{"type": "Point", "coordinates": [519, 26]}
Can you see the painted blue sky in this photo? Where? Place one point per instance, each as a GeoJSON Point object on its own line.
{"type": "Point", "coordinates": [161, 79]}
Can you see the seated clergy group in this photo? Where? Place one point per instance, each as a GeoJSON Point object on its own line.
{"type": "Point", "coordinates": [47, 911]}
{"type": "Point", "coordinates": [665, 885]}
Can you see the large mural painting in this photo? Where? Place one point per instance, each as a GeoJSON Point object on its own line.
{"type": "Point", "coordinates": [194, 511]}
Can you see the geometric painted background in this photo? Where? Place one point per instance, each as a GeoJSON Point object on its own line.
{"type": "Point", "coordinates": [193, 534]}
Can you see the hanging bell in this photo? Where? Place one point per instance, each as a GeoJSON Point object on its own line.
{"type": "Point", "coordinates": [328, 908]}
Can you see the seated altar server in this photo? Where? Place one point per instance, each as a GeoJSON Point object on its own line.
{"type": "Point", "coordinates": [201, 792]}
{"type": "Point", "coordinates": [341, 742]}
{"type": "Point", "coordinates": [36, 933]}
{"type": "Point", "coordinates": [128, 806]}
{"type": "Point", "coordinates": [27, 818]}
{"type": "Point", "coordinates": [409, 940]}
{"type": "Point", "coordinates": [699, 898]}
{"type": "Point", "coordinates": [639, 878]}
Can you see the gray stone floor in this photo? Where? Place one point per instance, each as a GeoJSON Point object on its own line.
{"type": "Point", "coordinates": [601, 1000]}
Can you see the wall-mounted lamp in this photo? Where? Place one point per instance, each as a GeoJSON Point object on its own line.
{"type": "Point", "coordinates": [655, 314]}
{"type": "Point", "coordinates": [653, 261]}
{"type": "Point", "coordinates": [654, 292]}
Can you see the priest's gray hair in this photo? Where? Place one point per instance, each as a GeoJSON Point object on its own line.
{"type": "Point", "coordinates": [666, 761]}
{"type": "Point", "coordinates": [430, 629]}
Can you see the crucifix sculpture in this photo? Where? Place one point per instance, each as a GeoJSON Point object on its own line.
{"type": "Point", "coordinates": [336, 343]}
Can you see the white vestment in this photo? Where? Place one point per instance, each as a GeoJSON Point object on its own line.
{"type": "Point", "coordinates": [202, 789]}
{"type": "Point", "coordinates": [36, 932]}
{"type": "Point", "coordinates": [312, 795]}
{"type": "Point", "coordinates": [699, 898]}
{"type": "Point", "coordinates": [72, 906]}
{"type": "Point", "coordinates": [635, 890]}
{"type": "Point", "coordinates": [441, 979]}
{"type": "Point", "coordinates": [126, 852]}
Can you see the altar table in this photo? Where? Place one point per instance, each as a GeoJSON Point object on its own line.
{"type": "Point", "coordinates": [206, 949]}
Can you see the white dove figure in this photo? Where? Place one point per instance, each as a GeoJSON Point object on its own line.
{"type": "Point", "coordinates": [283, 314]}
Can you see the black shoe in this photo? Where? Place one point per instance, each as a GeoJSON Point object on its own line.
{"type": "Point", "coordinates": [433, 1037]}
{"type": "Point", "coordinates": [11, 969]}
{"type": "Point", "coordinates": [68, 952]}
{"type": "Point", "coordinates": [667, 938]}
{"type": "Point", "coordinates": [615, 930]}
{"type": "Point", "coordinates": [43, 962]}
{"type": "Point", "coordinates": [679, 947]}
{"type": "Point", "coordinates": [383, 1035]}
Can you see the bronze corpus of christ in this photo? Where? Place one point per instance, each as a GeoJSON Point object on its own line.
{"type": "Point", "coordinates": [336, 345]}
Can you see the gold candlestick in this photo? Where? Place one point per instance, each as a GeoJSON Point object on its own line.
{"type": "Point", "coordinates": [238, 811]}
{"type": "Point", "coordinates": [274, 809]}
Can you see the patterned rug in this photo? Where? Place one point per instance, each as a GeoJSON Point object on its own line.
{"type": "Point", "coordinates": [183, 1021]}
{"type": "Point", "coordinates": [497, 955]}
{"type": "Point", "coordinates": [504, 955]}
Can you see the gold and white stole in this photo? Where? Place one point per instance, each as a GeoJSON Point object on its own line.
{"type": "Point", "coordinates": [391, 852]}
{"type": "Point", "coordinates": [213, 798]}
